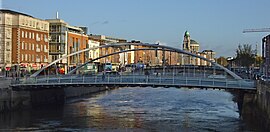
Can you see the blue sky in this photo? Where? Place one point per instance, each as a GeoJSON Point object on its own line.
{"type": "Point", "coordinates": [215, 24]}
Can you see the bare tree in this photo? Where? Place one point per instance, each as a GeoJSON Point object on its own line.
{"type": "Point", "coordinates": [245, 55]}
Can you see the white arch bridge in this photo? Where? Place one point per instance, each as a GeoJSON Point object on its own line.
{"type": "Point", "coordinates": [178, 76]}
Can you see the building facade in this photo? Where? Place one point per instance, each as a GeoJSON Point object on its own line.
{"type": "Point", "coordinates": [93, 53]}
{"type": "Point", "coordinates": [266, 55]}
{"type": "Point", "coordinates": [210, 55]}
{"type": "Point", "coordinates": [192, 46]}
{"type": "Point", "coordinates": [105, 40]}
{"type": "Point", "coordinates": [66, 39]}
{"type": "Point", "coordinates": [23, 42]}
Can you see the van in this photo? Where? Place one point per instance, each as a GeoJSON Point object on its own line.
{"type": "Point", "coordinates": [108, 67]}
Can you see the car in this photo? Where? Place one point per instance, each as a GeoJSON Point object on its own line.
{"type": "Point", "coordinates": [265, 78]}
{"type": "Point", "coordinates": [112, 73]}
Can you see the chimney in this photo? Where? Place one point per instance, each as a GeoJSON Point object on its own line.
{"type": "Point", "coordinates": [57, 15]}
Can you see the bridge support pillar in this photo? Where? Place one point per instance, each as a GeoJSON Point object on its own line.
{"type": "Point", "coordinates": [245, 101]}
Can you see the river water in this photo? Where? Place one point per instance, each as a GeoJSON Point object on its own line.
{"type": "Point", "coordinates": [135, 109]}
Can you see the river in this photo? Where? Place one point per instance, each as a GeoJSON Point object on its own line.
{"type": "Point", "coordinates": [135, 109]}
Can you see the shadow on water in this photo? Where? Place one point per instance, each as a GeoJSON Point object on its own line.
{"type": "Point", "coordinates": [24, 119]}
{"type": "Point", "coordinates": [256, 120]}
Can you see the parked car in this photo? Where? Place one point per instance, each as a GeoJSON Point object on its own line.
{"type": "Point", "coordinates": [265, 78]}
{"type": "Point", "coordinates": [112, 73]}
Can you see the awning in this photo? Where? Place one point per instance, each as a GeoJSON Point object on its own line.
{"type": "Point", "coordinates": [34, 65]}
{"type": "Point", "coordinates": [23, 65]}
{"type": "Point", "coordinates": [8, 68]}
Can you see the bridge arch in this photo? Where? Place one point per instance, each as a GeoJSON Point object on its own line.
{"type": "Point", "coordinates": [123, 51]}
{"type": "Point", "coordinates": [155, 46]}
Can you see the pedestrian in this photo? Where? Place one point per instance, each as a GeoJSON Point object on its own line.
{"type": "Point", "coordinates": [103, 76]}
{"type": "Point", "coordinates": [147, 76]}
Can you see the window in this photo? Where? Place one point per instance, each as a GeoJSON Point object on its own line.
{"type": "Point", "coordinates": [29, 56]}
{"type": "Point", "coordinates": [25, 34]}
{"type": "Point", "coordinates": [30, 35]}
{"type": "Point", "coordinates": [26, 57]}
{"type": "Point", "coordinates": [22, 57]}
{"type": "Point", "coordinates": [8, 34]}
{"type": "Point", "coordinates": [22, 45]}
{"type": "Point", "coordinates": [8, 56]}
{"type": "Point", "coordinates": [33, 58]}
{"type": "Point", "coordinates": [33, 35]}
{"type": "Point", "coordinates": [22, 34]}
{"type": "Point", "coordinates": [33, 47]}
{"type": "Point", "coordinates": [7, 44]}
{"type": "Point", "coordinates": [29, 46]}
{"type": "Point", "coordinates": [25, 46]}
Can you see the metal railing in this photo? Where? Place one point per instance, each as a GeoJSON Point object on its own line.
{"type": "Point", "coordinates": [151, 80]}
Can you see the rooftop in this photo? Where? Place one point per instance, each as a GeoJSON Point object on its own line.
{"type": "Point", "coordinates": [13, 12]}
{"type": "Point", "coordinates": [193, 41]}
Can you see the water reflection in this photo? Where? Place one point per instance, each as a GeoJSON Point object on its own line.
{"type": "Point", "coordinates": [135, 109]}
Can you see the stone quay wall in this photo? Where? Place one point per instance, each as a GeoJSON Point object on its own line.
{"type": "Point", "coordinates": [263, 97]}
{"type": "Point", "coordinates": [12, 100]}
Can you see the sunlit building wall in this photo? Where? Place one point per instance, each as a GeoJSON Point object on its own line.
{"type": "Point", "coordinates": [23, 41]}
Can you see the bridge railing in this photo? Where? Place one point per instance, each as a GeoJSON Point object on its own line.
{"type": "Point", "coordinates": [139, 79]}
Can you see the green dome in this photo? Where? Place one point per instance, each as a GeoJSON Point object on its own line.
{"type": "Point", "coordinates": [187, 34]}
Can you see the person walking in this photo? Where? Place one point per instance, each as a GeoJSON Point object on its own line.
{"type": "Point", "coordinates": [103, 76]}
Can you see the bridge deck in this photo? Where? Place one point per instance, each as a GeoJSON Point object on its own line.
{"type": "Point", "coordinates": [134, 80]}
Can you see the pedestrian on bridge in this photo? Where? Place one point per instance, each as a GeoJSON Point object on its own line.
{"type": "Point", "coordinates": [103, 76]}
{"type": "Point", "coordinates": [147, 75]}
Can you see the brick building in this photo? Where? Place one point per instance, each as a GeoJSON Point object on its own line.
{"type": "Point", "coordinates": [23, 41]}
{"type": "Point", "coordinates": [104, 40]}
